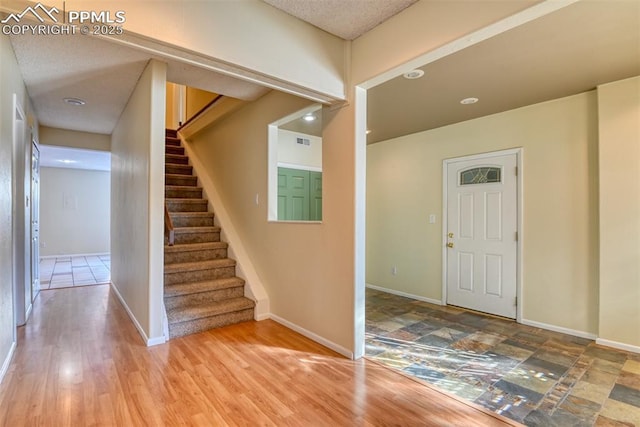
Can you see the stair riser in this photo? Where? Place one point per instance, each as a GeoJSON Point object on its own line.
{"type": "Point", "coordinates": [195, 193]}
{"type": "Point", "coordinates": [200, 325]}
{"type": "Point", "coordinates": [193, 256]}
{"type": "Point", "coordinates": [178, 169]}
{"type": "Point", "coordinates": [179, 206]}
{"type": "Point", "coordinates": [203, 297]}
{"type": "Point", "coordinates": [171, 142]}
{"type": "Point", "coordinates": [184, 180]}
{"type": "Point", "coordinates": [199, 275]}
{"type": "Point", "coordinates": [195, 221]}
{"type": "Point", "coordinates": [174, 149]}
{"type": "Point", "coordinates": [205, 237]}
{"type": "Point", "coordinates": [176, 160]}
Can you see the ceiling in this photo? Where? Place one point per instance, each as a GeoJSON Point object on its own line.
{"type": "Point", "coordinates": [103, 74]}
{"type": "Point", "coordinates": [563, 53]}
{"type": "Point", "coordinates": [307, 127]}
{"type": "Point", "coordinates": [347, 19]}
{"type": "Point", "coordinates": [567, 52]}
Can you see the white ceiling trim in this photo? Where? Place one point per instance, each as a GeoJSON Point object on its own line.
{"type": "Point", "coordinates": [161, 50]}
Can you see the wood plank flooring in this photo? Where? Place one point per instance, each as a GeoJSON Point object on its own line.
{"type": "Point", "coordinates": [81, 362]}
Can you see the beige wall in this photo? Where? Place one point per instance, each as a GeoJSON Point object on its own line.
{"type": "Point", "coordinates": [172, 118]}
{"type": "Point", "coordinates": [619, 155]}
{"type": "Point", "coordinates": [560, 236]}
{"type": "Point", "coordinates": [307, 269]}
{"type": "Point", "coordinates": [74, 139]}
{"type": "Point", "coordinates": [137, 194]}
{"type": "Point", "coordinates": [10, 83]}
{"type": "Point", "coordinates": [196, 100]}
{"type": "Point", "coordinates": [81, 225]}
{"type": "Point", "coordinates": [289, 151]}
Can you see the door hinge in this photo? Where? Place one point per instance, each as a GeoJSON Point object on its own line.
{"type": "Point", "coordinates": [516, 236]}
{"type": "Point", "coordinates": [516, 171]}
{"type": "Point", "coordinates": [515, 301]}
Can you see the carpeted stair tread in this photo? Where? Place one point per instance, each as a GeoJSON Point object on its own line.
{"type": "Point", "coordinates": [199, 265]}
{"type": "Point", "coordinates": [185, 314]}
{"type": "Point", "coordinates": [174, 149]}
{"type": "Point", "coordinates": [195, 246]}
{"type": "Point", "coordinates": [174, 169]}
{"type": "Point", "coordinates": [186, 205]}
{"type": "Point", "coordinates": [181, 179]}
{"type": "Point", "coordinates": [204, 286]}
{"type": "Point", "coordinates": [192, 215]}
{"type": "Point", "coordinates": [176, 159]}
{"type": "Point", "coordinates": [188, 230]}
{"type": "Point", "coordinates": [181, 187]}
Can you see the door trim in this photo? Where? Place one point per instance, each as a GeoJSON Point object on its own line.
{"type": "Point", "coordinates": [519, 220]}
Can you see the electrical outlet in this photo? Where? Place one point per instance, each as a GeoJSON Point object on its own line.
{"type": "Point", "coordinates": [394, 270]}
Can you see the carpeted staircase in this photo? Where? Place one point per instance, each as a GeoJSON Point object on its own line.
{"type": "Point", "coordinates": [201, 290]}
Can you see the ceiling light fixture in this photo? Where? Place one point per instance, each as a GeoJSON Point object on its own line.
{"type": "Point", "coordinates": [468, 101]}
{"type": "Point", "coordinates": [414, 74]}
{"type": "Point", "coordinates": [309, 117]}
{"type": "Point", "coordinates": [74, 101]}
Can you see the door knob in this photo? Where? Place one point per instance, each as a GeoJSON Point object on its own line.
{"type": "Point", "coordinates": [450, 245]}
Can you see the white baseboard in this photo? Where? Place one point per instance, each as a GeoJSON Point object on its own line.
{"type": "Point", "coordinates": [404, 294]}
{"type": "Point", "coordinates": [312, 336]}
{"type": "Point", "coordinates": [149, 342]}
{"type": "Point", "coordinates": [73, 255]}
{"type": "Point", "coordinates": [554, 328]}
{"type": "Point", "coordinates": [618, 345]}
{"type": "Point", "coordinates": [7, 361]}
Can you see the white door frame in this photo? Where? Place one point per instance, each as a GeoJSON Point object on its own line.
{"type": "Point", "coordinates": [519, 200]}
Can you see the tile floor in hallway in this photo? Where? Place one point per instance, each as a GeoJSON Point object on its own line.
{"type": "Point", "coordinates": [69, 271]}
{"type": "Point", "coordinates": [531, 375]}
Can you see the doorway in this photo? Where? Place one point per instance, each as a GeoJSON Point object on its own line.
{"type": "Point", "coordinates": [35, 220]}
{"type": "Point", "coordinates": [481, 232]}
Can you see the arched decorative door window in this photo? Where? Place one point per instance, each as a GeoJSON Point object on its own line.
{"type": "Point", "coordinates": [480, 175]}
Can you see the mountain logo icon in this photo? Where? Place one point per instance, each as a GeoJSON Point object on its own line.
{"type": "Point", "coordinates": [38, 11]}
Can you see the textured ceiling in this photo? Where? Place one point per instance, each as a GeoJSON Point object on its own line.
{"type": "Point", "coordinates": [347, 19]}
{"type": "Point", "coordinates": [566, 52]}
{"type": "Point", "coordinates": [103, 74]}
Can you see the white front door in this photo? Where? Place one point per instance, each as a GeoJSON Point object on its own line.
{"type": "Point", "coordinates": [481, 235]}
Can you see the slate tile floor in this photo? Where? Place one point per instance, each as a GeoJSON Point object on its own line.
{"type": "Point", "coordinates": [66, 272]}
{"type": "Point", "coordinates": [534, 376]}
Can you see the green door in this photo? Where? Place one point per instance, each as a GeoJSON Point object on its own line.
{"type": "Point", "coordinates": [299, 195]}
{"type": "Point", "coordinates": [293, 194]}
{"type": "Point", "coordinates": [315, 196]}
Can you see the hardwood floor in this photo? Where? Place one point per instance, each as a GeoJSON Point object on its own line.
{"type": "Point", "coordinates": [81, 362]}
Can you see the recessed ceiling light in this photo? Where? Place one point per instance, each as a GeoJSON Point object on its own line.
{"type": "Point", "coordinates": [75, 101]}
{"type": "Point", "coordinates": [309, 117]}
{"type": "Point", "coordinates": [468, 101]}
{"type": "Point", "coordinates": [414, 74]}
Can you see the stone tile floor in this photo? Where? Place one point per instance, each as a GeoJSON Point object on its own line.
{"type": "Point", "coordinates": [66, 272]}
{"type": "Point", "coordinates": [531, 375]}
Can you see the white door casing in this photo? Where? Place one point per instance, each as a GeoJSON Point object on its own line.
{"type": "Point", "coordinates": [481, 232]}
